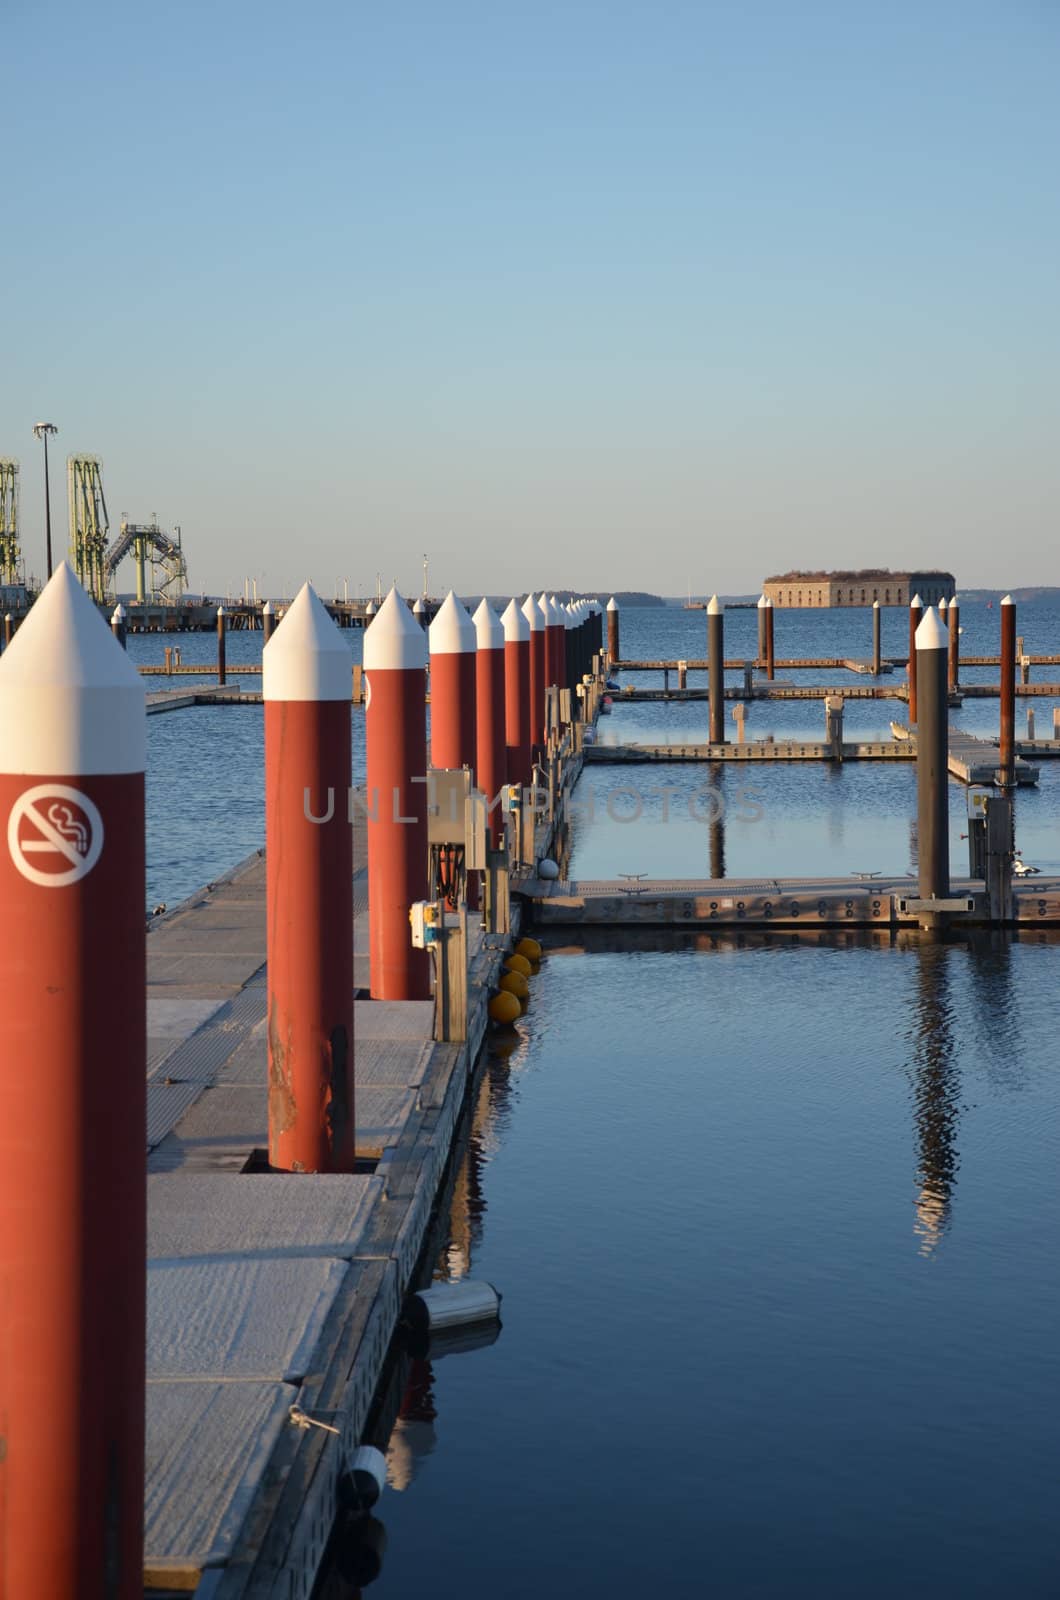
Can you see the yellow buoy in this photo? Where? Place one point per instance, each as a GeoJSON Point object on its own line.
{"type": "Point", "coordinates": [529, 948]}
{"type": "Point", "coordinates": [515, 984]}
{"type": "Point", "coordinates": [517, 964]}
{"type": "Point", "coordinates": [504, 1007]}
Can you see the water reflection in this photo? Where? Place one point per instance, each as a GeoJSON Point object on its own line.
{"type": "Point", "coordinates": [717, 823]}
{"type": "Point", "coordinates": [936, 1092]}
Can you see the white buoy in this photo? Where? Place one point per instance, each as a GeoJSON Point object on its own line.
{"type": "Point", "coordinates": [453, 1305]}
{"type": "Point", "coordinates": [364, 1478]}
{"type": "Point", "coordinates": [547, 869]}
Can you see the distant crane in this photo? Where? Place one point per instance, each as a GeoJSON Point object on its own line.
{"type": "Point", "coordinates": [89, 524]}
{"type": "Point", "coordinates": [10, 548]}
{"type": "Point", "coordinates": [148, 542]}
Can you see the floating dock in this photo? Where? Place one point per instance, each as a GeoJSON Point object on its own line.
{"type": "Point", "coordinates": [850, 902]}
{"type": "Point", "coordinates": [972, 760]}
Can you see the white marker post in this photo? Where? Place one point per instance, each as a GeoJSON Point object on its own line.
{"type": "Point", "coordinates": [73, 1035]}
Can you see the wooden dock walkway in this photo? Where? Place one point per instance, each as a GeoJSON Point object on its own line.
{"type": "Point", "coordinates": [270, 1290]}
{"type": "Point", "coordinates": [856, 901]}
{"type": "Point", "coordinates": [750, 750]}
{"type": "Point", "coordinates": [972, 760]}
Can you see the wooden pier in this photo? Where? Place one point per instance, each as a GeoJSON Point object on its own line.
{"type": "Point", "coordinates": [273, 1298]}
{"type": "Point", "coordinates": [857, 901]}
{"type": "Point", "coordinates": [972, 760]}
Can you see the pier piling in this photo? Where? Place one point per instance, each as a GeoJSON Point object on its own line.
{"type": "Point", "coordinates": [451, 639]}
{"type": "Point", "coordinates": [517, 694]}
{"type": "Point", "coordinates": [954, 615]}
{"type": "Point", "coordinates": [9, 629]}
{"type": "Point", "coordinates": [73, 1027]}
{"type": "Point", "coordinates": [716, 668]}
{"type": "Point", "coordinates": [613, 642]}
{"type": "Point", "coordinates": [491, 767]}
{"type": "Point", "coordinates": [932, 762]}
{"type": "Point", "coordinates": [309, 892]}
{"type": "Point", "coordinates": [876, 659]}
{"type": "Point", "coordinates": [1007, 770]}
{"type": "Point", "coordinates": [268, 623]}
{"type": "Point", "coordinates": [221, 652]}
{"type": "Point", "coordinates": [117, 624]}
{"type": "Point", "coordinates": [536, 624]}
{"type": "Point", "coordinates": [916, 612]}
{"type": "Point", "coordinates": [770, 657]}
{"type": "Point", "coordinates": [395, 656]}
{"type": "Point", "coordinates": [762, 606]}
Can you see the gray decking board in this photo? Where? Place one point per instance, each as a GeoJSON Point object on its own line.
{"type": "Point", "coordinates": [393, 1019]}
{"type": "Point", "coordinates": [166, 1104]}
{"type": "Point", "coordinates": [231, 1319]}
{"type": "Point", "coordinates": [216, 1214]}
{"type": "Point", "coordinates": [208, 1445]}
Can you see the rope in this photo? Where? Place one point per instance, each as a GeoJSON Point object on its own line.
{"type": "Point", "coordinates": [302, 1419]}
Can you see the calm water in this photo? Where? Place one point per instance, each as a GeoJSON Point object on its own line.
{"type": "Point", "coordinates": [774, 1219]}
{"type": "Point", "coordinates": [775, 1229]}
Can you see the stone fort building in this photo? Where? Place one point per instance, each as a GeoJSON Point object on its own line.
{"type": "Point", "coordinates": [858, 588]}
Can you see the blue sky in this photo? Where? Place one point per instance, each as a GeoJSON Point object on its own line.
{"type": "Point", "coordinates": [609, 295]}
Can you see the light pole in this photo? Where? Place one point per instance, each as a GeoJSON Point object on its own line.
{"type": "Point", "coordinates": [42, 430]}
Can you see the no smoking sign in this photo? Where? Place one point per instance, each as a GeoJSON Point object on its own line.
{"type": "Point", "coordinates": [55, 835]}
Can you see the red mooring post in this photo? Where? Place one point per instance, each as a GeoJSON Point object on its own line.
{"type": "Point", "coordinates": [451, 638]}
{"type": "Point", "coordinates": [536, 624]}
{"type": "Point", "coordinates": [491, 759]}
{"type": "Point", "coordinates": [1008, 691]}
{"type": "Point", "coordinates": [517, 693]}
{"type": "Point", "coordinates": [557, 636]}
{"type": "Point", "coordinates": [221, 651]}
{"type": "Point", "coordinates": [305, 684]}
{"type": "Point", "coordinates": [916, 612]}
{"type": "Point", "coordinates": [613, 640]}
{"type": "Point", "coordinates": [954, 644]}
{"type": "Point", "coordinates": [73, 1181]}
{"type": "Point", "coordinates": [770, 648]}
{"type": "Point", "coordinates": [395, 659]}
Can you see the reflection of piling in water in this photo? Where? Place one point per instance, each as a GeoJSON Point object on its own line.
{"type": "Point", "coordinates": [717, 820]}
{"type": "Point", "coordinates": [936, 1093]}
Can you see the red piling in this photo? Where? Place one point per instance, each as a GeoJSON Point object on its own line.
{"type": "Point", "coordinates": [536, 622]}
{"type": "Point", "coordinates": [491, 763]}
{"type": "Point", "coordinates": [517, 694]}
{"type": "Point", "coordinates": [954, 644]}
{"type": "Point", "coordinates": [221, 651]}
{"type": "Point", "coordinates": [916, 612]}
{"type": "Point", "coordinates": [73, 1180]}
{"type": "Point", "coordinates": [309, 891]}
{"type": "Point", "coordinates": [613, 631]}
{"type": "Point", "coordinates": [1008, 690]}
{"type": "Point", "coordinates": [451, 638]}
{"type": "Point", "coordinates": [556, 647]}
{"type": "Point", "coordinates": [395, 658]}
{"type": "Point", "coordinates": [770, 651]}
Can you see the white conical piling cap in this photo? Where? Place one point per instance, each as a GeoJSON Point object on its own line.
{"type": "Point", "coordinates": [1007, 600]}
{"type": "Point", "coordinates": [955, 602]}
{"type": "Point", "coordinates": [452, 633]}
{"type": "Point", "coordinates": [714, 606]}
{"type": "Point", "coordinates": [612, 604]}
{"type": "Point", "coordinates": [71, 702]}
{"type": "Point", "coordinates": [489, 635]}
{"type": "Point", "coordinates": [221, 612]}
{"type": "Point", "coordinates": [942, 606]}
{"type": "Point", "coordinates": [532, 613]}
{"type": "Point", "coordinates": [418, 607]}
{"type": "Point", "coordinates": [393, 640]}
{"type": "Point", "coordinates": [370, 609]}
{"type": "Point", "coordinates": [566, 616]}
{"type": "Point", "coordinates": [118, 614]}
{"type": "Point", "coordinates": [307, 658]}
{"type": "Point", "coordinates": [547, 619]}
{"type": "Point", "coordinates": [875, 605]}
{"type": "Point", "coordinates": [916, 604]}
{"type": "Point", "coordinates": [266, 609]}
{"type": "Point", "coordinates": [516, 627]}
{"type": "Point", "coordinates": [931, 632]}
{"type": "Point", "coordinates": [769, 603]}
{"type": "Point", "coordinates": [762, 602]}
